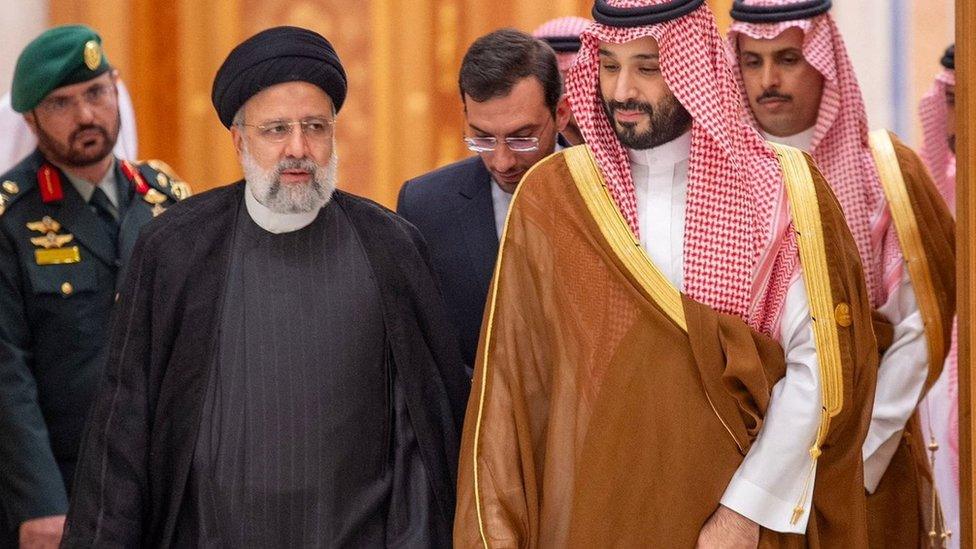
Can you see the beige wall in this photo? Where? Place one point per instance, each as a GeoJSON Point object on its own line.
{"type": "Point", "coordinates": [403, 116]}
{"type": "Point", "coordinates": [19, 24]}
{"type": "Point", "coordinates": [865, 25]}
{"type": "Point", "coordinates": [932, 30]}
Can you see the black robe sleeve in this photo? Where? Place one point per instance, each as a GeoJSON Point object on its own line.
{"type": "Point", "coordinates": [423, 340]}
{"type": "Point", "coordinates": [412, 517]}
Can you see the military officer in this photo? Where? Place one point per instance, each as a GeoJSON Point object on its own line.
{"type": "Point", "coordinates": [69, 216]}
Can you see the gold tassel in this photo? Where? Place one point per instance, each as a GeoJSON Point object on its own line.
{"type": "Point", "coordinates": [938, 534]}
{"type": "Point", "coordinates": [815, 454]}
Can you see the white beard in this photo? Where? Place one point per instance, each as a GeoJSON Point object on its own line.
{"type": "Point", "coordinates": [294, 198]}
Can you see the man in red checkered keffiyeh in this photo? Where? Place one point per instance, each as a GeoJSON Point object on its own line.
{"type": "Point", "coordinates": [937, 112]}
{"type": "Point", "coordinates": [563, 35]}
{"type": "Point", "coordinates": [940, 410]}
{"type": "Point", "coordinates": [816, 105]}
{"type": "Point", "coordinates": [592, 420]}
{"type": "Point", "coordinates": [799, 83]}
{"type": "Point", "coordinates": [736, 219]}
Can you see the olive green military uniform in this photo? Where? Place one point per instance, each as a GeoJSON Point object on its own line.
{"type": "Point", "coordinates": [60, 258]}
{"type": "Point", "coordinates": [58, 272]}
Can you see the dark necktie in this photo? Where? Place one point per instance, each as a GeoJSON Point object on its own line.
{"type": "Point", "coordinates": [103, 208]}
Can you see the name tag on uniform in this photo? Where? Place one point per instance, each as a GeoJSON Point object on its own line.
{"type": "Point", "coordinates": [57, 256]}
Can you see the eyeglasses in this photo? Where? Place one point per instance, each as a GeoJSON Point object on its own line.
{"type": "Point", "coordinates": [95, 96]}
{"type": "Point", "coordinates": [514, 144]}
{"type": "Point", "coordinates": [280, 130]}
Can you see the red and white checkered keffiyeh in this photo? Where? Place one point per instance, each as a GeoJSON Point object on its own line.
{"type": "Point", "coordinates": [840, 144]}
{"type": "Point", "coordinates": [740, 252]}
{"type": "Point", "coordinates": [936, 154]}
{"type": "Point", "coordinates": [562, 27]}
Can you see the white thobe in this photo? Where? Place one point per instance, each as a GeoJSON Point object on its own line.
{"type": "Point", "coordinates": [903, 369]}
{"type": "Point", "coordinates": [773, 477]}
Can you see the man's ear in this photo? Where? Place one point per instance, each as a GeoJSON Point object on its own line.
{"type": "Point", "coordinates": [238, 136]}
{"type": "Point", "coordinates": [563, 113]}
{"type": "Point", "coordinates": [31, 119]}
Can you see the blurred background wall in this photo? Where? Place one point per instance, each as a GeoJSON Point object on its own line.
{"type": "Point", "coordinates": [403, 116]}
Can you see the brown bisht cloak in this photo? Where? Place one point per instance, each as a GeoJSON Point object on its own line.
{"type": "Point", "coordinates": [608, 409]}
{"type": "Point", "coordinates": [900, 509]}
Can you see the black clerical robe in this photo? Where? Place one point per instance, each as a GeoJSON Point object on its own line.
{"type": "Point", "coordinates": [138, 452]}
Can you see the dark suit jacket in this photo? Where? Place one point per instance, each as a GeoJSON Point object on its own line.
{"type": "Point", "coordinates": [138, 448]}
{"type": "Point", "coordinates": [452, 207]}
{"type": "Point", "coordinates": [53, 327]}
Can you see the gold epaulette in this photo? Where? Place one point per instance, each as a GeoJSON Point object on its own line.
{"type": "Point", "coordinates": [8, 190]}
{"type": "Point", "coordinates": [167, 178]}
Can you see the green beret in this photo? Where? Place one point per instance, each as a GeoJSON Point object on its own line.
{"type": "Point", "coordinates": [59, 57]}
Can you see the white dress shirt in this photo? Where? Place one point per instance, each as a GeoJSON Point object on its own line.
{"type": "Point", "coordinates": [275, 222]}
{"type": "Point", "coordinates": [901, 380]}
{"type": "Point", "coordinates": [903, 368]}
{"type": "Point", "coordinates": [771, 479]}
{"type": "Point", "coordinates": [501, 201]}
{"type": "Point", "coordinates": [108, 184]}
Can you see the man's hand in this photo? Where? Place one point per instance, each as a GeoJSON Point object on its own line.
{"type": "Point", "coordinates": [41, 533]}
{"type": "Point", "coordinates": [726, 529]}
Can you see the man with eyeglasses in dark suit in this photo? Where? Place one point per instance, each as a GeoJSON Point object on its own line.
{"type": "Point", "coordinates": [514, 109]}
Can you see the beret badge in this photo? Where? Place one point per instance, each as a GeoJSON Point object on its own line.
{"type": "Point", "coordinates": [93, 55]}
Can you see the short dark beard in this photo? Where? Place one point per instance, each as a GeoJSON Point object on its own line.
{"type": "Point", "coordinates": [64, 154]}
{"type": "Point", "coordinates": [669, 121]}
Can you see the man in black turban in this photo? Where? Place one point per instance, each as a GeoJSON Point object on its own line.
{"type": "Point", "coordinates": [291, 379]}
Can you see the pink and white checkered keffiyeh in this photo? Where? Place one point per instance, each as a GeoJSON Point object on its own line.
{"type": "Point", "coordinates": [840, 143]}
{"type": "Point", "coordinates": [562, 27]}
{"type": "Point", "coordinates": [941, 407]}
{"type": "Point", "coordinates": [935, 152]}
{"type": "Point", "coordinates": [739, 247]}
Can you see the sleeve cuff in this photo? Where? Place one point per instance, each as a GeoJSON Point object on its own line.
{"type": "Point", "coordinates": [38, 510]}
{"type": "Point", "coordinates": [877, 456]}
{"type": "Point", "coordinates": [765, 508]}
{"type": "Point", "coordinates": [23, 499]}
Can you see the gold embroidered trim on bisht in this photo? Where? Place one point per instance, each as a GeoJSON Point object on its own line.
{"type": "Point", "coordinates": [617, 233]}
{"type": "Point", "coordinates": [906, 226]}
{"type": "Point", "coordinates": [592, 188]}
{"type": "Point", "coordinates": [805, 211]}
{"type": "Point", "coordinates": [589, 182]}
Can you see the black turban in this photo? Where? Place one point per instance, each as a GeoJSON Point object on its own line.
{"type": "Point", "coordinates": [276, 56]}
